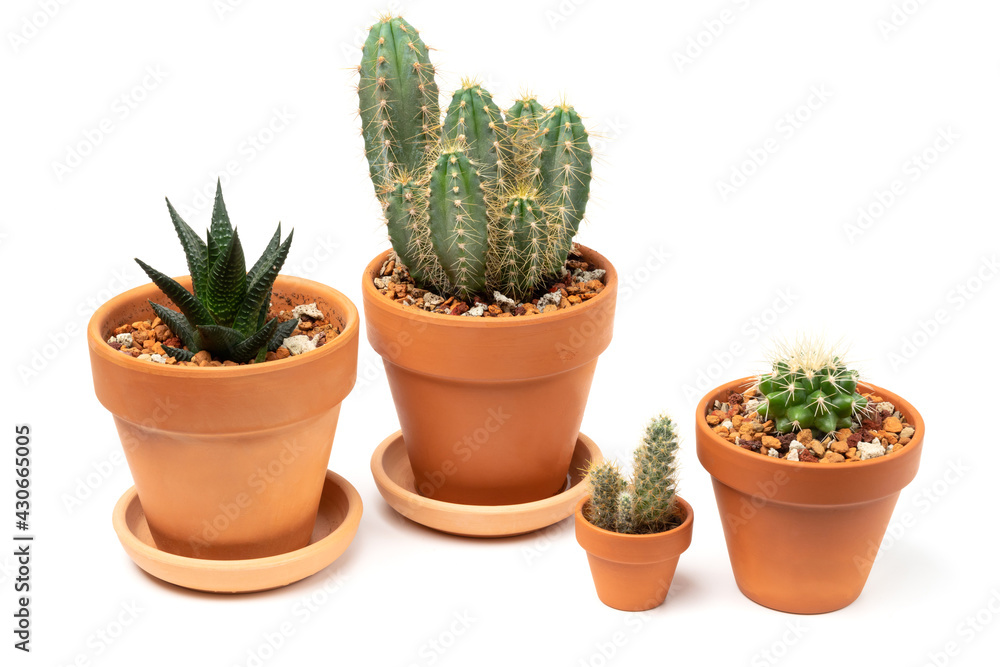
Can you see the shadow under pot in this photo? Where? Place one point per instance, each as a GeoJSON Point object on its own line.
{"type": "Point", "coordinates": [490, 407]}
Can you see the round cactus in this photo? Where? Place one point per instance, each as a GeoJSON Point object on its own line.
{"type": "Point", "coordinates": [810, 387]}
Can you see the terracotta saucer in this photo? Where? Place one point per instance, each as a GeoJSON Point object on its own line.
{"type": "Point", "coordinates": [394, 479]}
{"type": "Point", "coordinates": [336, 524]}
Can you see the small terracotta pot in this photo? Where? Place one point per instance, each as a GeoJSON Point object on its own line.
{"type": "Point", "coordinates": [490, 408]}
{"type": "Point", "coordinates": [633, 572]}
{"type": "Point", "coordinates": [229, 462]}
{"type": "Point", "coordinates": [802, 536]}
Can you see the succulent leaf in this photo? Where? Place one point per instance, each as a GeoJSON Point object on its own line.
{"type": "Point", "coordinates": [195, 250]}
{"type": "Point", "coordinates": [257, 293]}
{"type": "Point", "coordinates": [247, 349]}
{"type": "Point", "coordinates": [178, 354]}
{"type": "Point", "coordinates": [226, 288]}
{"type": "Point", "coordinates": [192, 308]}
{"type": "Point", "coordinates": [221, 231]}
{"type": "Point", "coordinates": [281, 332]}
{"type": "Point", "coordinates": [177, 323]}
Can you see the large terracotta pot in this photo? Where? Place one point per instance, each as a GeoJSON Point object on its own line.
{"type": "Point", "coordinates": [633, 572]}
{"type": "Point", "coordinates": [490, 408]}
{"type": "Point", "coordinates": [802, 536]}
{"type": "Point", "coordinates": [228, 462]}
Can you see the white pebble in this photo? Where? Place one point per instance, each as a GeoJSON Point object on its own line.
{"type": "Point", "coordinates": [125, 339]}
{"type": "Point", "coordinates": [773, 453]}
{"type": "Point", "coordinates": [158, 358]}
{"type": "Point", "coordinates": [432, 300]}
{"type": "Point", "coordinates": [870, 450]}
{"type": "Point", "coordinates": [144, 357]}
{"type": "Point", "coordinates": [476, 311]}
{"type": "Point", "coordinates": [299, 344]}
{"type": "Point", "coordinates": [885, 405]}
{"type": "Point", "coordinates": [792, 455]}
{"type": "Point", "coordinates": [503, 301]}
{"type": "Point", "coordinates": [382, 282]}
{"type": "Point", "coordinates": [587, 276]}
{"type": "Point", "coordinates": [728, 424]}
{"type": "Point", "coordinates": [907, 432]}
{"type": "Point", "coordinates": [309, 310]}
{"type": "Point", "coordinates": [552, 298]}
{"type": "Point", "coordinates": [752, 405]}
{"type": "Point", "coordinates": [795, 445]}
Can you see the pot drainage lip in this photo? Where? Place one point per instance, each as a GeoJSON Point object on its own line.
{"type": "Point", "coordinates": [394, 479]}
{"type": "Point", "coordinates": [337, 522]}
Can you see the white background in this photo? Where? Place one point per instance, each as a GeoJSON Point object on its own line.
{"type": "Point", "coordinates": [672, 132]}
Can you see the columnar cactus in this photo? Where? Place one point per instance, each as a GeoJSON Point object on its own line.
{"type": "Point", "coordinates": [648, 504]}
{"type": "Point", "coordinates": [810, 387]}
{"type": "Point", "coordinates": [476, 202]}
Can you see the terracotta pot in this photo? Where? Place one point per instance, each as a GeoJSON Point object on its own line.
{"type": "Point", "coordinates": [802, 536]}
{"type": "Point", "coordinates": [490, 408]}
{"type": "Point", "coordinates": [633, 572]}
{"type": "Point", "coordinates": [229, 462]}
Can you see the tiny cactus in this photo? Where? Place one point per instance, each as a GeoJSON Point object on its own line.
{"type": "Point", "coordinates": [647, 504]}
{"type": "Point", "coordinates": [227, 313]}
{"type": "Point", "coordinates": [477, 202]}
{"type": "Point", "coordinates": [810, 387]}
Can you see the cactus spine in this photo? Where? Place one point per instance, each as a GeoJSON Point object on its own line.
{"type": "Point", "coordinates": [810, 387]}
{"type": "Point", "coordinates": [648, 504]}
{"type": "Point", "coordinates": [478, 202]}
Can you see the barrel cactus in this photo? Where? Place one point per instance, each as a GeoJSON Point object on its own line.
{"type": "Point", "coordinates": [481, 200]}
{"type": "Point", "coordinates": [810, 387]}
{"type": "Point", "coordinates": [227, 313]}
{"type": "Point", "coordinates": [649, 503]}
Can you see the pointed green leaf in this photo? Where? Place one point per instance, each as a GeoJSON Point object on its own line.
{"type": "Point", "coordinates": [177, 323]}
{"type": "Point", "coordinates": [213, 250]}
{"type": "Point", "coordinates": [227, 283]}
{"type": "Point", "coordinates": [194, 249]}
{"type": "Point", "coordinates": [258, 291]}
{"type": "Point", "coordinates": [219, 340]}
{"type": "Point", "coordinates": [222, 230]}
{"type": "Point", "coordinates": [267, 257]}
{"type": "Point", "coordinates": [178, 354]}
{"type": "Point", "coordinates": [283, 331]}
{"type": "Point", "coordinates": [248, 349]}
{"type": "Point", "coordinates": [193, 309]}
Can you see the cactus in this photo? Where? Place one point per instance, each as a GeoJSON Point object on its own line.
{"type": "Point", "coordinates": [478, 202]}
{"type": "Point", "coordinates": [648, 503]}
{"type": "Point", "coordinates": [810, 387]}
{"type": "Point", "coordinates": [227, 313]}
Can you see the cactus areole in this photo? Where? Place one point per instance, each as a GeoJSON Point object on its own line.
{"type": "Point", "coordinates": [481, 200]}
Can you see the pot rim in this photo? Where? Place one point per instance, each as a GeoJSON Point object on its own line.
{"type": "Point", "coordinates": [631, 537]}
{"type": "Point", "coordinates": [372, 295]}
{"type": "Point", "coordinates": [712, 438]}
{"type": "Point", "coordinates": [345, 309]}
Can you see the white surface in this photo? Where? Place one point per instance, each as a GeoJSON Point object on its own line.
{"type": "Point", "coordinates": [670, 135]}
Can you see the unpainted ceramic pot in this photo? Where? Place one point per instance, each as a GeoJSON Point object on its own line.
{"type": "Point", "coordinates": [229, 462]}
{"type": "Point", "coordinates": [828, 517]}
{"type": "Point", "coordinates": [633, 572]}
{"type": "Point", "coordinates": [490, 408]}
